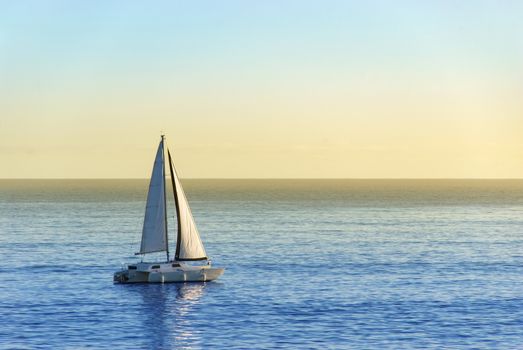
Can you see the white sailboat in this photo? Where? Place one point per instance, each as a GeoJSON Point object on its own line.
{"type": "Point", "coordinates": [189, 246]}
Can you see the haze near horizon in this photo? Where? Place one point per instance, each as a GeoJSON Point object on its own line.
{"type": "Point", "coordinates": [300, 89]}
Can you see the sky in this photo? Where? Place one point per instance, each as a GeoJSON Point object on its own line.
{"type": "Point", "coordinates": [262, 89]}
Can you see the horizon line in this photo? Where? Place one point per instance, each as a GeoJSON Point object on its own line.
{"type": "Point", "coordinates": [271, 178]}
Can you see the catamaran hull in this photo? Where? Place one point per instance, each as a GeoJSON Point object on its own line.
{"type": "Point", "coordinates": [201, 275]}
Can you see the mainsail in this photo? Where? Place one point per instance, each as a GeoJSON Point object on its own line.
{"type": "Point", "coordinates": [154, 234]}
{"type": "Point", "coordinates": [189, 246]}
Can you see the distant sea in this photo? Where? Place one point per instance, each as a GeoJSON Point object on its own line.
{"type": "Point", "coordinates": [310, 264]}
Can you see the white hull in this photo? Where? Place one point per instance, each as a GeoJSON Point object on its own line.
{"type": "Point", "coordinates": [167, 273]}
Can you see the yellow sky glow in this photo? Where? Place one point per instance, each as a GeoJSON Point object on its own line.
{"type": "Point", "coordinates": [438, 97]}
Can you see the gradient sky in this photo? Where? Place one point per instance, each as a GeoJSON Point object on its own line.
{"type": "Point", "coordinates": [306, 89]}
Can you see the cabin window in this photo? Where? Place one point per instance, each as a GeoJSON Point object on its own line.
{"type": "Point", "coordinates": [132, 267]}
{"type": "Point", "coordinates": [176, 265]}
{"type": "Point", "coordinates": [155, 267]}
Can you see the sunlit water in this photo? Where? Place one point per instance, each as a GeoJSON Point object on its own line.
{"type": "Point", "coordinates": [353, 264]}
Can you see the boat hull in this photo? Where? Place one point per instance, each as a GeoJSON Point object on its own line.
{"type": "Point", "coordinates": [179, 275]}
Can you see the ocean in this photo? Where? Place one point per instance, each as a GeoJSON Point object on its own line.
{"type": "Point", "coordinates": [310, 264]}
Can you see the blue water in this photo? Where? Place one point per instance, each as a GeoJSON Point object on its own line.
{"type": "Point", "coordinates": [348, 264]}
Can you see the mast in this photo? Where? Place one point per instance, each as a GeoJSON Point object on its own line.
{"type": "Point", "coordinates": [165, 200]}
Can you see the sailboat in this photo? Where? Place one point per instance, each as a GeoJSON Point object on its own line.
{"type": "Point", "coordinates": [189, 246]}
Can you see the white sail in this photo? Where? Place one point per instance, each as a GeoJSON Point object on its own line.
{"type": "Point", "coordinates": [154, 234]}
{"type": "Point", "coordinates": [189, 246]}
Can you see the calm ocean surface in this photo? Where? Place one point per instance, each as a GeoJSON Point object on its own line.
{"type": "Point", "coordinates": [322, 264]}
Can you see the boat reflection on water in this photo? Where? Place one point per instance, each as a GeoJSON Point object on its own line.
{"type": "Point", "coordinates": [169, 314]}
